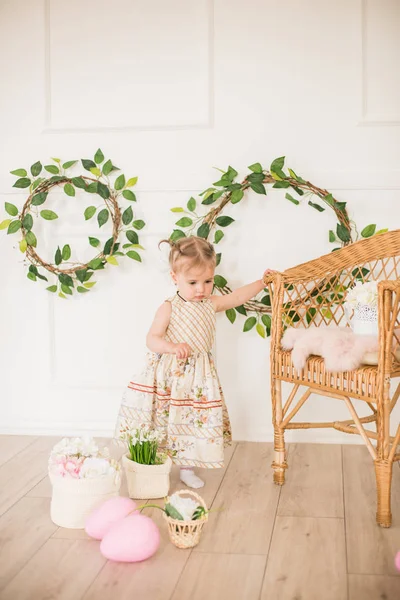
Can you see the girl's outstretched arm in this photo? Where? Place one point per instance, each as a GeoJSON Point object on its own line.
{"type": "Point", "coordinates": [239, 296]}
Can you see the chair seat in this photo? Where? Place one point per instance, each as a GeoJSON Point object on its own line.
{"type": "Point", "coordinates": [360, 383]}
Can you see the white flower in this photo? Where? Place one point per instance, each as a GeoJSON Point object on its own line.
{"type": "Point", "coordinates": [185, 506]}
{"type": "Point", "coordinates": [133, 439]}
{"type": "Point", "coordinates": [153, 436]}
{"type": "Point", "coordinates": [363, 293]}
{"type": "Point", "coordinates": [96, 467]}
{"type": "Point", "coordinates": [139, 435]}
{"type": "Point", "coordinates": [104, 453]}
{"type": "Point", "coordinates": [85, 446]}
{"type": "Point", "coordinates": [63, 448]}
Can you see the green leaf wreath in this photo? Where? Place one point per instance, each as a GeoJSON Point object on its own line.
{"type": "Point", "coordinates": [75, 276]}
{"type": "Point", "coordinates": [226, 191]}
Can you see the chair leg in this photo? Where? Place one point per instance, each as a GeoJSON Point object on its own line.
{"type": "Point", "coordinates": [279, 464]}
{"type": "Point", "coordinates": [383, 461]}
{"type": "Point", "coordinates": [383, 472]}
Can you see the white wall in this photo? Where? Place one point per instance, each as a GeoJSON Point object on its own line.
{"type": "Point", "coordinates": [168, 90]}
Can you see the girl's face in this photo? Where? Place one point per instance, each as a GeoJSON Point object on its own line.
{"type": "Point", "coordinates": [195, 284]}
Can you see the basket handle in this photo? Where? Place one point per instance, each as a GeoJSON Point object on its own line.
{"type": "Point", "coordinates": [191, 493]}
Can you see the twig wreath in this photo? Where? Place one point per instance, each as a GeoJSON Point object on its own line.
{"type": "Point", "coordinates": [227, 191]}
{"type": "Point", "coordinates": [70, 274]}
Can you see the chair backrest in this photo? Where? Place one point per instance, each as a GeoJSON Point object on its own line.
{"type": "Point", "coordinates": [314, 293]}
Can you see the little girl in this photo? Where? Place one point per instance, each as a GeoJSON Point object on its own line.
{"type": "Point", "coordinates": [179, 392]}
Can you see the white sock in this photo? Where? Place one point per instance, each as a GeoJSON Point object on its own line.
{"type": "Point", "coordinates": [190, 479]}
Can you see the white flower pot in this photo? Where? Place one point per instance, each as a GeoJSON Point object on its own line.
{"type": "Point", "coordinates": [147, 481]}
{"type": "Point", "coordinates": [73, 500]}
{"type": "Point", "coordinates": [365, 320]}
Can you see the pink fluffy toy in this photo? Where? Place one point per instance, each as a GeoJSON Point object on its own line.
{"type": "Point", "coordinates": [342, 349]}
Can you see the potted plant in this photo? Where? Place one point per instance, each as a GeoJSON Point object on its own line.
{"type": "Point", "coordinates": [82, 477]}
{"type": "Point", "coordinates": [363, 300]}
{"type": "Point", "coordinates": [147, 469]}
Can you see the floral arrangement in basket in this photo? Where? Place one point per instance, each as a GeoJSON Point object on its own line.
{"type": "Point", "coordinates": [143, 444]}
{"type": "Point", "coordinates": [82, 476]}
{"type": "Point", "coordinates": [361, 308]}
{"type": "Point", "coordinates": [81, 458]}
{"type": "Point", "coordinates": [185, 517]}
{"type": "Point", "coordinates": [185, 509]}
{"type": "Point", "coordinates": [365, 294]}
{"type": "Point", "coordinates": [147, 468]}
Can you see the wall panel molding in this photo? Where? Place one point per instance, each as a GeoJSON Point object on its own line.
{"type": "Point", "coordinates": [202, 122]}
{"type": "Point", "coordinates": [389, 50]}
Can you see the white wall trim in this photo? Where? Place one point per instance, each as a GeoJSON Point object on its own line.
{"type": "Point", "coordinates": [370, 119]}
{"type": "Point", "coordinates": [105, 429]}
{"type": "Point", "coordinates": [49, 129]}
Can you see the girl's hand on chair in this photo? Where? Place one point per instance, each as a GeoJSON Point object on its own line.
{"type": "Point", "coordinates": [268, 272]}
{"type": "Point", "coordinates": [182, 350]}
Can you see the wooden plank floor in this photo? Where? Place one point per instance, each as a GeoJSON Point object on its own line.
{"type": "Point", "coordinates": [313, 539]}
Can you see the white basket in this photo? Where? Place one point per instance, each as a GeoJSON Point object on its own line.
{"type": "Point", "coordinates": [73, 500]}
{"type": "Point", "coordinates": [147, 481]}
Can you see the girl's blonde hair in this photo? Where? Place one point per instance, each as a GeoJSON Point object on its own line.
{"type": "Point", "coordinates": [190, 251]}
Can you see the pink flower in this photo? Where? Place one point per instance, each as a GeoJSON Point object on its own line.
{"type": "Point", "coordinates": [60, 469]}
{"type": "Point", "coordinates": [68, 456]}
{"type": "Point", "coordinates": [73, 466]}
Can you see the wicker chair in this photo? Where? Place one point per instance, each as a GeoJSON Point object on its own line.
{"type": "Point", "coordinates": [312, 295]}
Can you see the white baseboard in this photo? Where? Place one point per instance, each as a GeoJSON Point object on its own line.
{"type": "Point", "coordinates": [94, 429]}
{"type": "Point", "coordinates": [106, 429]}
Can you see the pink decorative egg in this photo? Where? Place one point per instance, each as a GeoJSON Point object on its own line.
{"type": "Point", "coordinates": [107, 514]}
{"type": "Point", "coordinates": [132, 539]}
{"type": "Point", "coordinates": [397, 561]}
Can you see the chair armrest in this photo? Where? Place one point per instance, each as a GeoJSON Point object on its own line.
{"type": "Point", "coordinates": [388, 324]}
{"type": "Point", "coordinates": [390, 284]}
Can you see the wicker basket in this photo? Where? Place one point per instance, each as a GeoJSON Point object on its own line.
{"type": "Point", "coordinates": [73, 500]}
{"type": "Point", "coordinates": [186, 534]}
{"type": "Point", "coordinates": [147, 481]}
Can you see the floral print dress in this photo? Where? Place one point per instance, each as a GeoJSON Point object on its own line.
{"type": "Point", "coordinates": [182, 398]}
